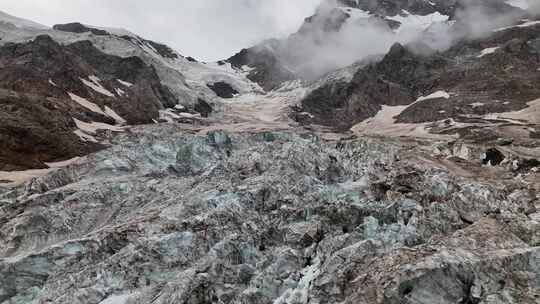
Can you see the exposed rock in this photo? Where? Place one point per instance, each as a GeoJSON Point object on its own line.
{"type": "Point", "coordinates": [79, 28]}
{"type": "Point", "coordinates": [223, 89]}
{"type": "Point", "coordinates": [40, 75]}
{"type": "Point", "coordinates": [203, 108]}
{"type": "Point", "coordinates": [493, 157]}
{"type": "Point", "coordinates": [163, 50]}
{"type": "Point", "coordinates": [267, 69]}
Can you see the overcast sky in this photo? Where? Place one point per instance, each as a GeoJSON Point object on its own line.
{"type": "Point", "coordinates": [206, 29]}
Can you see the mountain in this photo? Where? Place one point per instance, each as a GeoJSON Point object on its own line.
{"type": "Point", "coordinates": [84, 80]}
{"type": "Point", "coordinates": [386, 152]}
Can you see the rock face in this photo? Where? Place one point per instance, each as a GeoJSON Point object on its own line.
{"type": "Point", "coordinates": [268, 69]}
{"type": "Point", "coordinates": [47, 85]}
{"type": "Point", "coordinates": [465, 84]}
{"type": "Point", "coordinates": [223, 89]}
{"type": "Point", "coordinates": [79, 28]}
{"type": "Point", "coordinates": [34, 130]}
{"type": "Point", "coordinates": [164, 216]}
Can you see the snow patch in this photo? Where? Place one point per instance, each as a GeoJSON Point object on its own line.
{"type": "Point", "coordinates": [18, 177]}
{"type": "Point", "coordinates": [85, 137]}
{"type": "Point", "coordinates": [527, 23]}
{"type": "Point", "coordinates": [170, 116]}
{"type": "Point", "coordinates": [120, 92]}
{"type": "Point", "coordinates": [93, 127]}
{"type": "Point", "coordinates": [384, 124]}
{"type": "Point", "coordinates": [438, 94]}
{"type": "Point", "coordinates": [477, 104]}
{"type": "Point", "coordinates": [488, 51]}
{"type": "Point", "coordinates": [522, 4]}
{"type": "Point", "coordinates": [531, 114]}
{"type": "Point", "coordinates": [96, 86]}
{"type": "Point", "coordinates": [65, 163]}
{"type": "Point", "coordinates": [52, 82]}
{"type": "Point", "coordinates": [87, 104]}
{"type": "Point", "coordinates": [410, 22]}
{"type": "Point", "coordinates": [355, 13]}
{"type": "Point", "coordinates": [125, 83]}
{"type": "Point", "coordinates": [112, 114]}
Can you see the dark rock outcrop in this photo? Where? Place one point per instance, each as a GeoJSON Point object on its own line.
{"type": "Point", "coordinates": [222, 89]}
{"type": "Point", "coordinates": [48, 72]}
{"type": "Point", "coordinates": [493, 157]}
{"type": "Point", "coordinates": [35, 129]}
{"type": "Point", "coordinates": [477, 84]}
{"type": "Point", "coordinates": [203, 107]}
{"type": "Point", "coordinates": [79, 28]}
{"type": "Point", "coordinates": [267, 69]}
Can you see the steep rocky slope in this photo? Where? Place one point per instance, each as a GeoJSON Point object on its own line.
{"type": "Point", "coordinates": [85, 82]}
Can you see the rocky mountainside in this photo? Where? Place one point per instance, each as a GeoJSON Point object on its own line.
{"type": "Point", "coordinates": [87, 81]}
{"type": "Point", "coordinates": [387, 152]}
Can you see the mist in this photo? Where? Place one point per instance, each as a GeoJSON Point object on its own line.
{"type": "Point", "coordinates": [317, 49]}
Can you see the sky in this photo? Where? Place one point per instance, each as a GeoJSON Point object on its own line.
{"type": "Point", "coordinates": [208, 30]}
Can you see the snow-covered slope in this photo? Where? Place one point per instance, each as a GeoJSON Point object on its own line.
{"type": "Point", "coordinates": [186, 78]}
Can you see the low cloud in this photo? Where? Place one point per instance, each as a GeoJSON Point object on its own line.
{"type": "Point", "coordinates": [319, 49]}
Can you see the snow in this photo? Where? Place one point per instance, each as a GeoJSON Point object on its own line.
{"type": "Point", "coordinates": [120, 92]}
{"type": "Point", "coordinates": [488, 51]}
{"type": "Point", "coordinates": [112, 114]}
{"type": "Point", "coordinates": [52, 82]}
{"type": "Point", "coordinates": [187, 80]}
{"type": "Point", "coordinates": [527, 23]}
{"type": "Point", "coordinates": [355, 13]}
{"type": "Point", "coordinates": [384, 124]}
{"type": "Point", "coordinates": [477, 104]}
{"type": "Point", "coordinates": [96, 86]}
{"type": "Point", "coordinates": [87, 104]}
{"type": "Point", "coordinates": [125, 83]}
{"type": "Point", "coordinates": [438, 94]}
{"type": "Point", "coordinates": [85, 137]}
{"type": "Point", "coordinates": [96, 109]}
{"type": "Point", "coordinates": [170, 116]}
{"type": "Point", "coordinates": [198, 75]}
{"type": "Point", "coordinates": [93, 127]}
{"type": "Point", "coordinates": [19, 177]}
{"type": "Point", "coordinates": [65, 163]}
{"type": "Point", "coordinates": [522, 4]}
{"type": "Point", "coordinates": [531, 114]}
{"type": "Point", "coordinates": [411, 22]}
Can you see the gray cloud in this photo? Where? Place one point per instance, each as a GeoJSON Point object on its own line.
{"type": "Point", "coordinates": [207, 29]}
